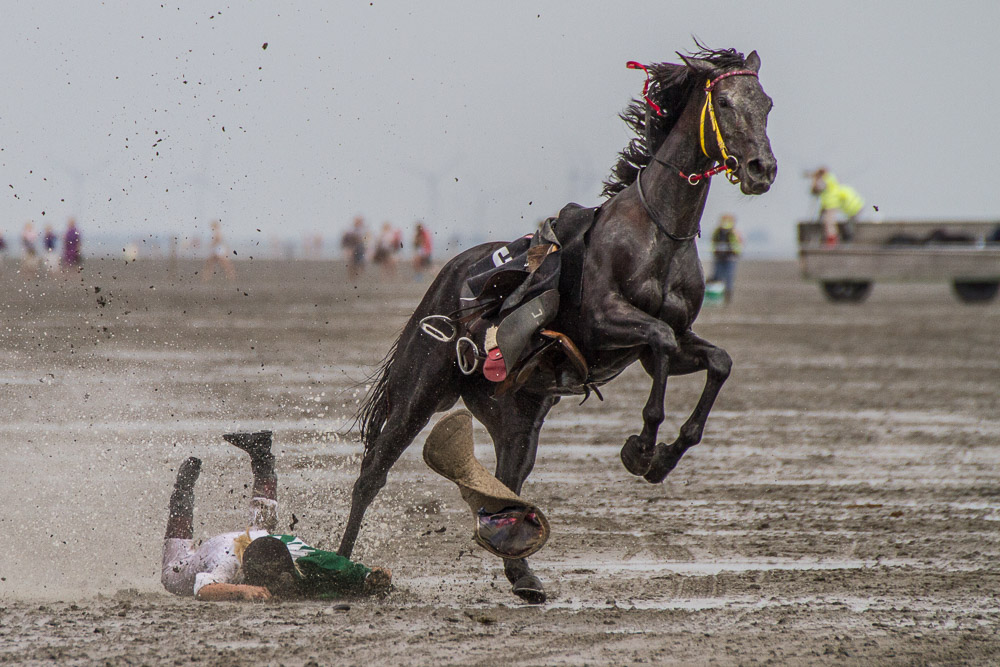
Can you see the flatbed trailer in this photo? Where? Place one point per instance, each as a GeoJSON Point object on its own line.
{"type": "Point", "coordinates": [965, 254]}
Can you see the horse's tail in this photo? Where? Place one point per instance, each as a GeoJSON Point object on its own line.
{"type": "Point", "coordinates": [374, 410]}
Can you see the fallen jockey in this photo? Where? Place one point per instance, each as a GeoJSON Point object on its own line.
{"type": "Point", "coordinates": [259, 562]}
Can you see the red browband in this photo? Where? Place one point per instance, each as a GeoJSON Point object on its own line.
{"type": "Point", "coordinates": [739, 72]}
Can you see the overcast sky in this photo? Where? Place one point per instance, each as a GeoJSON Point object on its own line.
{"type": "Point", "coordinates": [148, 118]}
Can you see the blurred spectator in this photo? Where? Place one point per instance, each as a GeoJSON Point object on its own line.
{"type": "Point", "coordinates": [29, 253]}
{"type": "Point", "coordinates": [727, 246]}
{"type": "Point", "coordinates": [49, 242]}
{"type": "Point", "coordinates": [50, 239]}
{"type": "Point", "coordinates": [422, 250]}
{"type": "Point", "coordinates": [353, 243]}
{"type": "Point", "coordinates": [218, 255]}
{"type": "Point", "coordinates": [72, 257]}
{"type": "Point", "coordinates": [389, 241]}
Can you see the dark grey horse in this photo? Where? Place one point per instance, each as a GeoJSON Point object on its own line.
{"type": "Point", "coordinates": [642, 290]}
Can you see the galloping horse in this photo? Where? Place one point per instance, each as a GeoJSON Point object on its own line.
{"type": "Point", "coordinates": [642, 288]}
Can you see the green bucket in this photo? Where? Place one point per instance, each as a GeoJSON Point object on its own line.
{"type": "Point", "coordinates": [715, 293]}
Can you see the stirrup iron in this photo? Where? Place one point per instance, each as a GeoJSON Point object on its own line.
{"type": "Point", "coordinates": [436, 333]}
{"type": "Point", "coordinates": [463, 365]}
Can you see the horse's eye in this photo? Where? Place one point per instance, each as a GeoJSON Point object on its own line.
{"type": "Point", "coordinates": [724, 103]}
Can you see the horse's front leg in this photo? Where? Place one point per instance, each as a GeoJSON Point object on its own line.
{"type": "Point", "coordinates": [694, 354]}
{"type": "Point", "coordinates": [626, 327]}
{"type": "Point", "coordinates": [513, 422]}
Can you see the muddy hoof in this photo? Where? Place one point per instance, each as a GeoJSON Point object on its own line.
{"type": "Point", "coordinates": [634, 458]}
{"type": "Point", "coordinates": [529, 588]}
{"type": "Point", "coordinates": [665, 459]}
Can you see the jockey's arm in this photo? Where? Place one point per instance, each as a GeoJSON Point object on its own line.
{"type": "Point", "coordinates": [230, 592]}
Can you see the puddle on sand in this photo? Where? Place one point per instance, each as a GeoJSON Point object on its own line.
{"type": "Point", "coordinates": [582, 569]}
{"type": "Point", "coordinates": [678, 604]}
{"type": "Point", "coordinates": [713, 568]}
{"type": "Point", "coordinates": [747, 602]}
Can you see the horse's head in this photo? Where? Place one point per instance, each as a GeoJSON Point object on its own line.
{"type": "Point", "coordinates": [734, 122]}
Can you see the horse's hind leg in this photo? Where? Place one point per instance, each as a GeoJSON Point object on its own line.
{"type": "Point", "coordinates": [422, 397]}
{"type": "Point", "coordinates": [695, 354]}
{"type": "Point", "coordinates": [513, 422]}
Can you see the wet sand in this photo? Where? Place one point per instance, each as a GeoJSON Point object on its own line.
{"type": "Point", "coordinates": [842, 508]}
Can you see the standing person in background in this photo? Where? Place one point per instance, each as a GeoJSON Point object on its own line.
{"type": "Point", "coordinates": [727, 246]}
{"type": "Point", "coordinates": [29, 254]}
{"type": "Point", "coordinates": [72, 257]}
{"type": "Point", "coordinates": [49, 242]}
{"type": "Point", "coordinates": [218, 254]}
{"type": "Point", "coordinates": [386, 247]}
{"type": "Point", "coordinates": [353, 243]}
{"type": "Point", "coordinates": [3, 248]}
{"type": "Point", "coordinates": [422, 250]}
{"type": "Point", "coordinates": [835, 196]}
{"type": "Point", "coordinates": [49, 239]}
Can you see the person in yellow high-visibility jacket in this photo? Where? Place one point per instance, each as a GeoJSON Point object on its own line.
{"type": "Point", "coordinates": [727, 246]}
{"type": "Point", "coordinates": [835, 196]}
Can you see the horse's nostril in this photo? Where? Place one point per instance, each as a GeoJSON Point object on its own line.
{"type": "Point", "coordinates": [762, 170]}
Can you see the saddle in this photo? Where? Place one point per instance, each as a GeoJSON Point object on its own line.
{"type": "Point", "coordinates": [510, 295]}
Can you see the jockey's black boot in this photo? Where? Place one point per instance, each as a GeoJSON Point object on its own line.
{"type": "Point", "coordinates": [180, 521]}
{"type": "Point", "coordinates": [258, 446]}
{"type": "Point", "coordinates": [254, 444]}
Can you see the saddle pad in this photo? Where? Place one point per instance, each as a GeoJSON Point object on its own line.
{"type": "Point", "coordinates": [572, 227]}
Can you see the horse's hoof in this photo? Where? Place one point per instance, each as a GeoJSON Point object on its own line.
{"type": "Point", "coordinates": [664, 460]}
{"type": "Point", "coordinates": [529, 588]}
{"type": "Point", "coordinates": [636, 459]}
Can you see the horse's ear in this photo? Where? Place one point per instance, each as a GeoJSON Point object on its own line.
{"type": "Point", "coordinates": [753, 61]}
{"type": "Point", "coordinates": [702, 67]}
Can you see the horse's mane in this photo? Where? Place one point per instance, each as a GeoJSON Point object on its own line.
{"type": "Point", "coordinates": [670, 86]}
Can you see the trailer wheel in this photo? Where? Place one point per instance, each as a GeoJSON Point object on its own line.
{"type": "Point", "coordinates": [975, 291]}
{"type": "Point", "coordinates": [847, 291]}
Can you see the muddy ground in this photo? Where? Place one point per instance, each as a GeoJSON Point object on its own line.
{"type": "Point", "coordinates": [842, 508]}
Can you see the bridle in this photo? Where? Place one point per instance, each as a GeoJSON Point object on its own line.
{"type": "Point", "coordinates": [729, 163]}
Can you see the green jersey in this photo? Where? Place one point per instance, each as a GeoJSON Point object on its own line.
{"type": "Point", "coordinates": [324, 574]}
